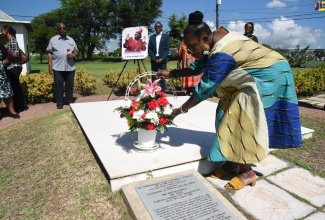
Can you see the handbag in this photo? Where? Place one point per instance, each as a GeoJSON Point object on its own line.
{"type": "Point", "coordinates": [23, 57]}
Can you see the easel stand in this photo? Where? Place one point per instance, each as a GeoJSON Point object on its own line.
{"type": "Point", "coordinates": [122, 72]}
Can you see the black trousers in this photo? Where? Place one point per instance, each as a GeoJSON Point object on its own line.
{"type": "Point", "coordinates": [61, 78]}
{"type": "Point", "coordinates": [19, 98]}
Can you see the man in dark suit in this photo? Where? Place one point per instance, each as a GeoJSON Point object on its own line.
{"type": "Point", "coordinates": [158, 50]}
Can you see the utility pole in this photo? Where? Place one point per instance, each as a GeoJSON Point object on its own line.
{"type": "Point", "coordinates": [217, 13]}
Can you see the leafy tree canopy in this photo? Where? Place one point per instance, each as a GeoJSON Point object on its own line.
{"type": "Point", "coordinates": [177, 26]}
{"type": "Point", "coordinates": [93, 22]}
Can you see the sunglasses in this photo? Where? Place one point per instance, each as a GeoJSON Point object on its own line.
{"type": "Point", "coordinates": [157, 26]}
{"type": "Point", "coordinates": [62, 28]}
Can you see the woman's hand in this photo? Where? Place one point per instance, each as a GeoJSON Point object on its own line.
{"type": "Point", "coordinates": [176, 112]}
{"type": "Point", "coordinates": [163, 74]}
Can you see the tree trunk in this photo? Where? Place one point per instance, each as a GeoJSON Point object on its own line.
{"type": "Point", "coordinates": [90, 51]}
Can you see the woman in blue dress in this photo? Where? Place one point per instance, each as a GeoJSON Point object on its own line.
{"type": "Point", "coordinates": [258, 106]}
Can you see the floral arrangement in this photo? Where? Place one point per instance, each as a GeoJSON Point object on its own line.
{"type": "Point", "coordinates": [149, 111]}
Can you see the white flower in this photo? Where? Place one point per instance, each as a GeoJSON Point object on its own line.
{"type": "Point", "coordinates": [127, 104]}
{"type": "Point", "coordinates": [142, 95]}
{"type": "Point", "coordinates": [137, 115]}
{"type": "Point", "coordinates": [167, 110]}
{"type": "Point", "coordinates": [153, 117]}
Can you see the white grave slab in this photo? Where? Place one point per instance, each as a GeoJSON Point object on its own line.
{"type": "Point", "coordinates": [181, 148]}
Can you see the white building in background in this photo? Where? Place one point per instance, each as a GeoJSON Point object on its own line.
{"type": "Point", "coordinates": [22, 29]}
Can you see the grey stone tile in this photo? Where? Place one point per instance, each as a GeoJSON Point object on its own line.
{"type": "Point", "coordinates": [267, 201]}
{"type": "Point", "coordinates": [302, 183]}
{"type": "Point", "coordinates": [270, 164]}
{"type": "Point", "coordinates": [316, 216]}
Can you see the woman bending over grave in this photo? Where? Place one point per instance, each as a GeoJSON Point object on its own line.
{"type": "Point", "coordinates": [258, 107]}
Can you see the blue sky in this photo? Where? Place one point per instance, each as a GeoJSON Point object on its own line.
{"type": "Point", "coordinates": [280, 23]}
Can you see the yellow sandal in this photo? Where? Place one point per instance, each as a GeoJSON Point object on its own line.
{"type": "Point", "coordinates": [236, 183]}
{"type": "Point", "coordinates": [218, 173]}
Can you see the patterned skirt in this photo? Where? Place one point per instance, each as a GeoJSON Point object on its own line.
{"type": "Point", "coordinates": [5, 87]}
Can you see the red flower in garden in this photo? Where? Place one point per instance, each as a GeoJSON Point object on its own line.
{"type": "Point", "coordinates": [153, 104]}
{"type": "Point", "coordinates": [163, 101]}
{"type": "Point", "coordinates": [150, 126]}
{"type": "Point", "coordinates": [163, 120]}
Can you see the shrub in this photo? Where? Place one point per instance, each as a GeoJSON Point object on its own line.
{"type": "Point", "coordinates": [126, 77]}
{"type": "Point", "coordinates": [84, 82]}
{"type": "Point", "coordinates": [310, 81]}
{"type": "Point", "coordinates": [38, 87]}
{"type": "Point", "coordinates": [297, 57]}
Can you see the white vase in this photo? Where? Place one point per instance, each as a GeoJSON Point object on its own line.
{"type": "Point", "coordinates": [147, 138]}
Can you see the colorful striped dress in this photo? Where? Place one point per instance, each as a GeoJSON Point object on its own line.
{"type": "Point", "coordinates": [186, 60]}
{"type": "Point", "coordinates": [258, 107]}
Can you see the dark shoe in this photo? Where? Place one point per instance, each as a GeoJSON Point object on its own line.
{"type": "Point", "coordinates": [15, 116]}
{"type": "Point", "coordinates": [59, 106]}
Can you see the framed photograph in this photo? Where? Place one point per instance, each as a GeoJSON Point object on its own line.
{"type": "Point", "coordinates": [135, 43]}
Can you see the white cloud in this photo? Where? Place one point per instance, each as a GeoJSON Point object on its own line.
{"type": "Point", "coordinates": [286, 33]}
{"type": "Point", "coordinates": [276, 4]}
{"type": "Point", "coordinates": [211, 25]}
{"type": "Point", "coordinates": [281, 32]}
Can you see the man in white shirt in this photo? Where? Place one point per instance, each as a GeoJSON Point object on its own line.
{"type": "Point", "coordinates": [158, 50]}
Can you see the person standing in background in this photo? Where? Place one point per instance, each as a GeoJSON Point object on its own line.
{"type": "Point", "coordinates": [249, 30]}
{"type": "Point", "coordinates": [158, 50]}
{"type": "Point", "coordinates": [5, 87]}
{"type": "Point", "coordinates": [62, 51]}
{"type": "Point", "coordinates": [184, 58]}
{"type": "Point", "coordinates": [15, 68]}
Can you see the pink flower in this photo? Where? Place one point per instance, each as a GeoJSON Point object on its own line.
{"type": "Point", "coordinates": [151, 88]}
{"type": "Point", "coordinates": [68, 50]}
{"type": "Point", "coordinates": [10, 51]}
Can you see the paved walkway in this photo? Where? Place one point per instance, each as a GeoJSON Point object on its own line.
{"type": "Point", "coordinates": [285, 191]}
